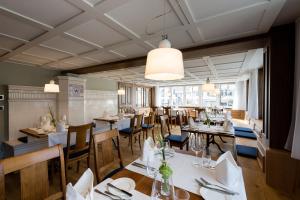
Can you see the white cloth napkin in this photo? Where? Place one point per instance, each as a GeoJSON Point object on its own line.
{"type": "Point", "coordinates": [227, 171]}
{"type": "Point", "coordinates": [191, 122]}
{"type": "Point", "coordinates": [83, 189]}
{"type": "Point", "coordinates": [148, 150]}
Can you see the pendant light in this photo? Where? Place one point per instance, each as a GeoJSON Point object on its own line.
{"type": "Point", "coordinates": [208, 87]}
{"type": "Point", "coordinates": [121, 90]}
{"type": "Point", "coordinates": [164, 63]}
{"type": "Point", "coordinates": [51, 87]}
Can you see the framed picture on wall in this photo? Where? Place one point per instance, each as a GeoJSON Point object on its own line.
{"type": "Point", "coordinates": [76, 90]}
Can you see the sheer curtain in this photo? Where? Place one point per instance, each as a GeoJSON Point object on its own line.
{"type": "Point", "coordinates": [253, 95]}
{"type": "Point", "coordinates": [239, 102]}
{"type": "Point", "coordinates": [293, 141]}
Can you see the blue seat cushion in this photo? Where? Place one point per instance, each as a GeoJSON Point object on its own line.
{"type": "Point", "coordinates": [126, 130]}
{"type": "Point", "coordinates": [236, 128]}
{"type": "Point", "coordinates": [147, 126]}
{"type": "Point", "coordinates": [177, 138]}
{"type": "Point", "coordinates": [244, 134]}
{"type": "Point", "coordinates": [246, 151]}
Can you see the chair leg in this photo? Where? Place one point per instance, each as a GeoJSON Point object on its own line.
{"type": "Point", "coordinates": [140, 141]}
{"type": "Point", "coordinates": [88, 161]}
{"type": "Point", "coordinates": [153, 136]}
{"type": "Point", "coordinates": [187, 146]}
{"type": "Point", "coordinates": [130, 141]}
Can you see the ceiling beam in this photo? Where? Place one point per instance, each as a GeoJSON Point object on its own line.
{"type": "Point", "coordinates": [220, 48]}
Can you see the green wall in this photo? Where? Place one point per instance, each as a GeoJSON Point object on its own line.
{"type": "Point", "coordinates": [101, 84]}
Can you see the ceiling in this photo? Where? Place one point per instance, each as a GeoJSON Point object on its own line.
{"type": "Point", "coordinates": [70, 34]}
{"type": "Point", "coordinates": [220, 69]}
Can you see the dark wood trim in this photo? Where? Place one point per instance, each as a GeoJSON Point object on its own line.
{"type": "Point", "coordinates": [219, 48]}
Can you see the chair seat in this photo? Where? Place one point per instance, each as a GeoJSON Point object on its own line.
{"type": "Point", "coordinates": [147, 126]}
{"type": "Point", "coordinates": [126, 130]}
{"type": "Point", "coordinates": [246, 151]}
{"type": "Point", "coordinates": [236, 128]}
{"type": "Point", "coordinates": [244, 134]}
{"type": "Point", "coordinates": [177, 138]}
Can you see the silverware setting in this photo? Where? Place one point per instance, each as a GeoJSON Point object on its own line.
{"type": "Point", "coordinates": [201, 184]}
{"type": "Point", "coordinates": [119, 189]}
{"type": "Point", "coordinates": [141, 166]}
{"type": "Point", "coordinates": [104, 194]}
{"type": "Point", "coordinates": [223, 188]}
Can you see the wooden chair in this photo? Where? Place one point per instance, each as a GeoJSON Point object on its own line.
{"type": "Point", "coordinates": [135, 129]}
{"type": "Point", "coordinates": [104, 154]}
{"type": "Point", "coordinates": [150, 125]}
{"type": "Point", "coordinates": [33, 168]}
{"type": "Point", "coordinates": [168, 111]}
{"type": "Point", "coordinates": [81, 149]}
{"type": "Point", "coordinates": [175, 140]}
{"type": "Point", "coordinates": [198, 111]}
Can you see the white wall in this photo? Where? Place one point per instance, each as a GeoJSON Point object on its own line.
{"type": "Point", "coordinates": [26, 105]}
{"type": "Point", "coordinates": [97, 102]}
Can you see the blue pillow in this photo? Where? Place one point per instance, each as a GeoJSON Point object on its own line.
{"type": "Point", "coordinates": [243, 129]}
{"type": "Point", "coordinates": [244, 134]}
{"type": "Point", "coordinates": [246, 151]}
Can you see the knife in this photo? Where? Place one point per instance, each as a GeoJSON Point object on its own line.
{"type": "Point", "coordinates": [223, 188]}
{"type": "Point", "coordinates": [119, 189]}
{"type": "Point", "coordinates": [214, 189]}
{"type": "Point", "coordinates": [141, 166]}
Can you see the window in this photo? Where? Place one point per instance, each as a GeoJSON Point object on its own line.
{"type": "Point", "coordinates": [143, 97]}
{"type": "Point", "coordinates": [192, 95]}
{"type": "Point", "coordinates": [139, 97]}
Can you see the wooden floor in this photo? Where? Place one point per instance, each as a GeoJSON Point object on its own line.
{"type": "Point", "coordinates": [255, 184]}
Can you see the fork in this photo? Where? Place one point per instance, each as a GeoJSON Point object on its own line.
{"type": "Point", "coordinates": [208, 183]}
{"type": "Point", "coordinates": [104, 194]}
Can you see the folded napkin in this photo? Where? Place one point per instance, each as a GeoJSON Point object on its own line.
{"type": "Point", "coordinates": [83, 189]}
{"type": "Point", "coordinates": [227, 171]}
{"type": "Point", "coordinates": [148, 150]}
{"type": "Point", "coordinates": [191, 122]}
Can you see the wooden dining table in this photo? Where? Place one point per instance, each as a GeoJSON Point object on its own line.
{"type": "Point", "coordinates": [143, 183]}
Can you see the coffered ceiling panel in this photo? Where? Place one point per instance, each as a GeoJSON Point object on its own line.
{"type": "Point", "coordinates": [230, 65]}
{"type": "Point", "coordinates": [29, 59]}
{"type": "Point", "coordinates": [103, 57]}
{"type": "Point", "coordinates": [13, 27]}
{"type": "Point", "coordinates": [92, 2]}
{"type": "Point", "coordinates": [8, 43]}
{"type": "Point", "coordinates": [235, 23]}
{"type": "Point", "coordinates": [210, 8]}
{"type": "Point", "coordinates": [80, 62]}
{"type": "Point", "coordinates": [185, 40]}
{"type": "Point", "coordinates": [238, 57]}
{"type": "Point", "coordinates": [141, 16]}
{"type": "Point", "coordinates": [98, 33]}
{"type": "Point", "coordinates": [194, 63]}
{"type": "Point", "coordinates": [51, 12]}
{"type": "Point", "coordinates": [61, 65]}
{"type": "Point", "coordinates": [132, 50]}
{"type": "Point", "coordinates": [46, 53]}
{"type": "Point", "coordinates": [2, 52]}
{"type": "Point", "coordinates": [67, 45]}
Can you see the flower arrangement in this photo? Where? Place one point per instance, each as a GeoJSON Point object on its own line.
{"type": "Point", "coordinates": [207, 121]}
{"type": "Point", "coordinates": [53, 121]}
{"type": "Point", "coordinates": [164, 169]}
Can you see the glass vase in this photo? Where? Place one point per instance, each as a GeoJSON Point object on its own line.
{"type": "Point", "coordinates": [162, 188]}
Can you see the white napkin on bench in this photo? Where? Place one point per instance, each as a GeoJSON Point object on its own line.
{"type": "Point", "coordinates": [227, 171]}
{"type": "Point", "coordinates": [83, 189]}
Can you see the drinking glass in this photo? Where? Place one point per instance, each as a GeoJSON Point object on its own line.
{"type": "Point", "coordinates": [196, 146]}
{"type": "Point", "coordinates": [162, 189]}
{"type": "Point", "coordinates": [152, 167]}
{"type": "Point", "coordinates": [206, 158]}
{"type": "Point", "coordinates": [181, 194]}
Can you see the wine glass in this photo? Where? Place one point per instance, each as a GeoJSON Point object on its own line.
{"type": "Point", "coordinates": [196, 146]}
{"type": "Point", "coordinates": [206, 158]}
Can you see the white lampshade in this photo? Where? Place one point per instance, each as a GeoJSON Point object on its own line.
{"type": "Point", "coordinates": [208, 87]}
{"type": "Point", "coordinates": [51, 87]}
{"type": "Point", "coordinates": [121, 91]}
{"type": "Point", "coordinates": [164, 63]}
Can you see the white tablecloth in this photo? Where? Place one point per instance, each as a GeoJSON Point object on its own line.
{"type": "Point", "coordinates": [184, 173]}
{"type": "Point", "coordinates": [61, 137]}
{"type": "Point", "coordinates": [102, 187]}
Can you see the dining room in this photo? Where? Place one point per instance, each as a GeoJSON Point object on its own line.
{"type": "Point", "coordinates": [139, 99]}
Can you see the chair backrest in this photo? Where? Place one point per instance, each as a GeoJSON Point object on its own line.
{"type": "Point", "coordinates": [198, 111]}
{"type": "Point", "coordinates": [139, 120]}
{"type": "Point", "coordinates": [167, 111]}
{"type": "Point", "coordinates": [81, 134]}
{"type": "Point", "coordinates": [151, 118]}
{"type": "Point", "coordinates": [33, 168]}
{"type": "Point", "coordinates": [164, 125]}
{"type": "Point", "coordinates": [104, 152]}
{"type": "Point", "coordinates": [180, 119]}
